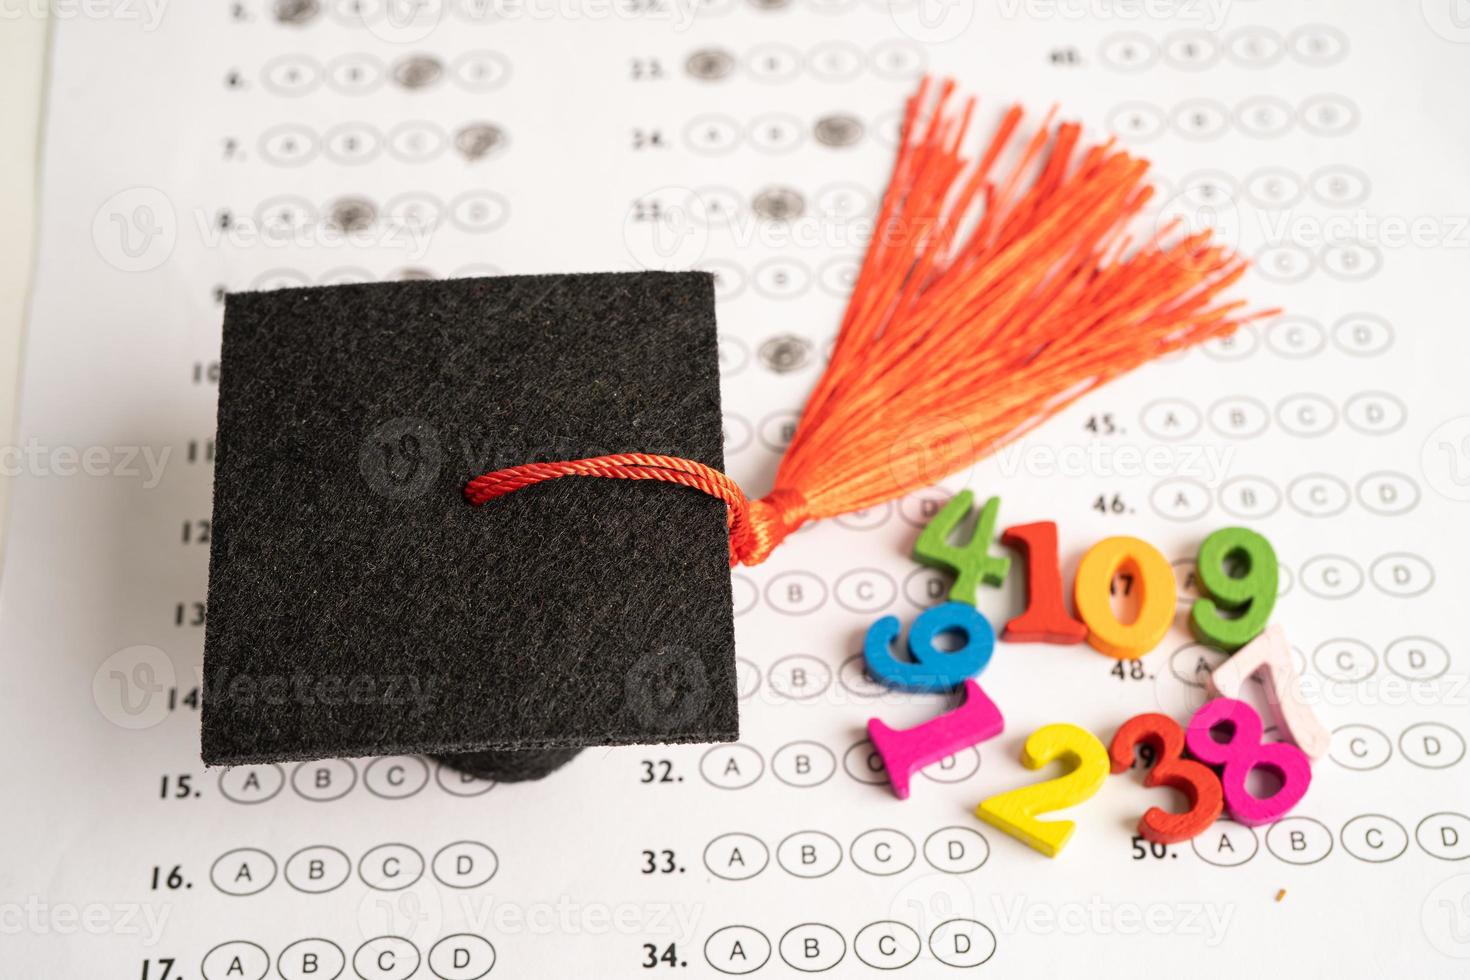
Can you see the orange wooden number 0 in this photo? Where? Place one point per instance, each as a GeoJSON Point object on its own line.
{"type": "Point", "coordinates": [1151, 577]}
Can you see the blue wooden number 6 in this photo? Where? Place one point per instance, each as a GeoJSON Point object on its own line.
{"type": "Point", "coordinates": [931, 670]}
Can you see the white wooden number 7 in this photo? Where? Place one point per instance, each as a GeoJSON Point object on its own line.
{"type": "Point", "coordinates": [1269, 655]}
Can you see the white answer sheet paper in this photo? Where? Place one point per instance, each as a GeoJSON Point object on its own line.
{"type": "Point", "coordinates": [194, 149]}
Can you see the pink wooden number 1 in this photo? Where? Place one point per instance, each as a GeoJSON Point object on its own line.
{"type": "Point", "coordinates": [905, 751]}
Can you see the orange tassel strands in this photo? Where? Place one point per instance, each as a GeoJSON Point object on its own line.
{"type": "Point", "coordinates": [990, 298]}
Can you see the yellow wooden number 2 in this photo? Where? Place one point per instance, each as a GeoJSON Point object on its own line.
{"type": "Point", "coordinates": [1015, 811]}
{"type": "Point", "coordinates": [1153, 579]}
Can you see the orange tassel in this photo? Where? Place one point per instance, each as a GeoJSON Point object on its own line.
{"type": "Point", "coordinates": [983, 307]}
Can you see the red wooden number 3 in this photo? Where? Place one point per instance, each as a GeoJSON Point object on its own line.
{"type": "Point", "coordinates": [1198, 783]}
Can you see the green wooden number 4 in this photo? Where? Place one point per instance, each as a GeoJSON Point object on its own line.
{"type": "Point", "coordinates": [971, 562]}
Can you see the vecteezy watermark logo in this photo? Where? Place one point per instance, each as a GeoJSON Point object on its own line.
{"type": "Point", "coordinates": [929, 449]}
{"type": "Point", "coordinates": [131, 687]}
{"type": "Point", "coordinates": [681, 14]}
{"type": "Point", "coordinates": [37, 917]}
{"type": "Point", "coordinates": [488, 915]}
{"type": "Point", "coordinates": [148, 13]}
{"type": "Point", "coordinates": [1209, 464]}
{"type": "Point", "coordinates": [35, 458]}
{"type": "Point", "coordinates": [1209, 14]}
{"type": "Point", "coordinates": [666, 690]}
{"type": "Point", "coordinates": [400, 458]}
{"type": "Point", "coordinates": [413, 913]}
{"type": "Point", "coordinates": [1205, 921]}
{"type": "Point", "coordinates": [932, 21]}
{"type": "Point", "coordinates": [353, 224]}
{"type": "Point", "coordinates": [1202, 208]}
{"type": "Point", "coordinates": [1387, 232]}
{"type": "Point", "coordinates": [397, 21]}
{"type": "Point", "coordinates": [1445, 459]}
{"type": "Point", "coordinates": [135, 230]}
{"type": "Point", "coordinates": [1450, 19]}
{"type": "Point", "coordinates": [667, 229]}
{"type": "Point", "coordinates": [1446, 917]}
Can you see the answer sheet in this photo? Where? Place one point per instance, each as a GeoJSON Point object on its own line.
{"type": "Point", "coordinates": [195, 149]}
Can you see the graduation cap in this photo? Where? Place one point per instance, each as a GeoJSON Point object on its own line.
{"type": "Point", "coordinates": [359, 606]}
{"type": "Point", "coordinates": [407, 558]}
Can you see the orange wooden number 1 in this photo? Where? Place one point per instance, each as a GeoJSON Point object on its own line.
{"type": "Point", "coordinates": [1015, 811]}
{"type": "Point", "coordinates": [1152, 578]}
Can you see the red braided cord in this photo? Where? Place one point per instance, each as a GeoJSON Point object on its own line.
{"type": "Point", "coordinates": [756, 526]}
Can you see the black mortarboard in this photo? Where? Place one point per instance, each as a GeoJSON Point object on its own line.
{"type": "Point", "coordinates": [358, 605]}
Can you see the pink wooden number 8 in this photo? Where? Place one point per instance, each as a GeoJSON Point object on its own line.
{"type": "Point", "coordinates": [1244, 752]}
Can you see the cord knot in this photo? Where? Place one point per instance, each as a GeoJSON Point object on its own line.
{"type": "Point", "coordinates": [766, 523]}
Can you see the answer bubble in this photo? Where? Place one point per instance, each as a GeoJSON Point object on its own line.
{"type": "Point", "coordinates": [1374, 838]}
{"type": "Point", "coordinates": [736, 856]}
{"type": "Point", "coordinates": [956, 850]}
{"type": "Point", "coordinates": [809, 854]}
{"type": "Point", "coordinates": [803, 764]}
{"type": "Point", "coordinates": [737, 950]}
{"type": "Point", "coordinates": [887, 945]}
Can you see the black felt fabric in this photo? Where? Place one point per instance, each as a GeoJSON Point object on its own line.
{"type": "Point", "coordinates": [359, 606]}
{"type": "Point", "coordinates": [511, 767]}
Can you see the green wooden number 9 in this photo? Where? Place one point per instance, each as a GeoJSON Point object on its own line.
{"type": "Point", "coordinates": [1247, 596]}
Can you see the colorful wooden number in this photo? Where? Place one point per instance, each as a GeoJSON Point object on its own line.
{"type": "Point", "coordinates": [932, 670]}
{"type": "Point", "coordinates": [907, 750]}
{"type": "Point", "coordinates": [1248, 597]}
{"type": "Point", "coordinates": [1242, 752]}
{"type": "Point", "coordinates": [1151, 577]}
{"type": "Point", "coordinates": [971, 562]}
{"type": "Point", "coordinates": [1268, 658]}
{"type": "Point", "coordinates": [1015, 811]}
{"type": "Point", "coordinates": [1046, 619]}
{"type": "Point", "coordinates": [1199, 784]}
